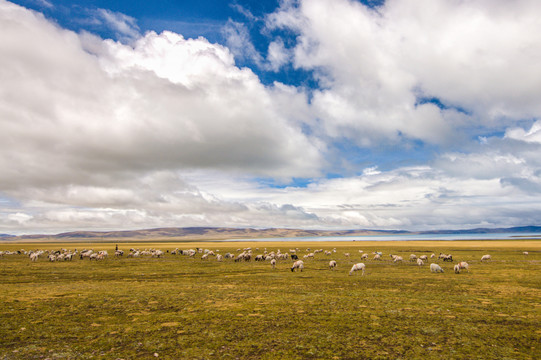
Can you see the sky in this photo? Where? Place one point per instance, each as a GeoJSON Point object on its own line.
{"type": "Point", "coordinates": [312, 114]}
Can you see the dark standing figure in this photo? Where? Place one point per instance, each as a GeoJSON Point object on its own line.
{"type": "Point", "coordinates": [116, 248]}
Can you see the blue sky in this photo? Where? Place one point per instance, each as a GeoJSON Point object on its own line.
{"type": "Point", "coordinates": [309, 114]}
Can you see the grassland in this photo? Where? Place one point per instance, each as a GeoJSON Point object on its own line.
{"type": "Point", "coordinates": [182, 308]}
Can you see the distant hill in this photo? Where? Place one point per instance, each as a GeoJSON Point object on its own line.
{"type": "Point", "coordinates": [196, 233]}
{"type": "Point", "coordinates": [517, 229]}
{"type": "Point", "coordinates": [222, 233]}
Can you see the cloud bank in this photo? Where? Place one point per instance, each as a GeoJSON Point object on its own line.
{"type": "Point", "coordinates": [158, 130]}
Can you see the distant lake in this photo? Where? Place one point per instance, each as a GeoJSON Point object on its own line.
{"type": "Point", "coordinates": [407, 237]}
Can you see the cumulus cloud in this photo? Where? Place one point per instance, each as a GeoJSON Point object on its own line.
{"type": "Point", "coordinates": [162, 130]}
{"type": "Point", "coordinates": [79, 107]}
{"type": "Point", "coordinates": [479, 58]}
{"type": "Point", "coordinates": [81, 117]}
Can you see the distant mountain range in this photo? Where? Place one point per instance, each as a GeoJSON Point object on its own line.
{"type": "Point", "coordinates": [221, 233]}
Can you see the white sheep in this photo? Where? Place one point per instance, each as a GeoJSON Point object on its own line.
{"type": "Point", "coordinates": [273, 263]}
{"type": "Point", "coordinates": [364, 256]}
{"type": "Point", "coordinates": [420, 262]}
{"type": "Point", "coordinates": [346, 254]}
{"type": "Point", "coordinates": [332, 264]}
{"type": "Point", "coordinates": [486, 258]}
{"type": "Point", "coordinates": [299, 264]}
{"type": "Point", "coordinates": [457, 269]}
{"type": "Point", "coordinates": [34, 256]}
{"type": "Point", "coordinates": [432, 256]}
{"type": "Point", "coordinates": [423, 257]}
{"type": "Point", "coordinates": [356, 267]}
{"type": "Point", "coordinates": [413, 257]}
{"type": "Point", "coordinates": [525, 253]}
{"type": "Point", "coordinates": [377, 257]}
{"type": "Point", "coordinates": [464, 265]}
{"type": "Point", "coordinates": [435, 268]}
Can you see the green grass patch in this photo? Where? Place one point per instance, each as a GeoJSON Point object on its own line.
{"type": "Point", "coordinates": [178, 307]}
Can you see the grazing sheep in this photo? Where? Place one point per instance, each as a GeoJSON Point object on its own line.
{"type": "Point", "coordinates": [446, 257]}
{"type": "Point", "coordinates": [525, 253]}
{"type": "Point", "coordinates": [356, 267]}
{"type": "Point", "coordinates": [423, 257]}
{"type": "Point", "coordinates": [420, 262]}
{"type": "Point", "coordinates": [435, 268]}
{"type": "Point", "coordinates": [377, 257]}
{"type": "Point", "coordinates": [205, 256]}
{"type": "Point", "coordinates": [346, 254]}
{"type": "Point", "coordinates": [457, 269]}
{"type": "Point", "coordinates": [413, 257]}
{"type": "Point", "coordinates": [464, 265]}
{"type": "Point", "coordinates": [486, 258]}
{"type": "Point", "coordinates": [273, 263]}
{"type": "Point", "coordinates": [299, 264]}
{"type": "Point", "coordinates": [332, 264]}
{"type": "Point", "coordinates": [432, 256]}
{"type": "Point", "coordinates": [219, 257]}
{"type": "Point", "coordinates": [85, 253]}
{"type": "Point", "coordinates": [294, 257]}
{"type": "Point", "coordinates": [396, 258]}
{"type": "Point", "coordinates": [34, 256]}
{"type": "Point", "coordinates": [364, 256]}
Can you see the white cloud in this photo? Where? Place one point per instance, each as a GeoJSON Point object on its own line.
{"type": "Point", "coordinates": [532, 136]}
{"type": "Point", "coordinates": [277, 55]}
{"type": "Point", "coordinates": [124, 26]}
{"type": "Point", "coordinates": [239, 42]}
{"type": "Point", "coordinates": [375, 64]}
{"type": "Point", "coordinates": [84, 120]}
{"type": "Point", "coordinates": [169, 131]}
{"type": "Point", "coordinates": [79, 109]}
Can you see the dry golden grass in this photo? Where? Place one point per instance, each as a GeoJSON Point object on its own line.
{"type": "Point", "coordinates": [183, 308]}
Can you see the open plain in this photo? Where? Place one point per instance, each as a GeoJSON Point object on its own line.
{"type": "Point", "coordinates": [182, 307]}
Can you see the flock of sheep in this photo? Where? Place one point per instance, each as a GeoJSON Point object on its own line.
{"type": "Point", "coordinates": [243, 255]}
{"type": "Point", "coordinates": [434, 267]}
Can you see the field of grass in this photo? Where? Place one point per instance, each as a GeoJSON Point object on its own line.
{"type": "Point", "coordinates": [178, 307]}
